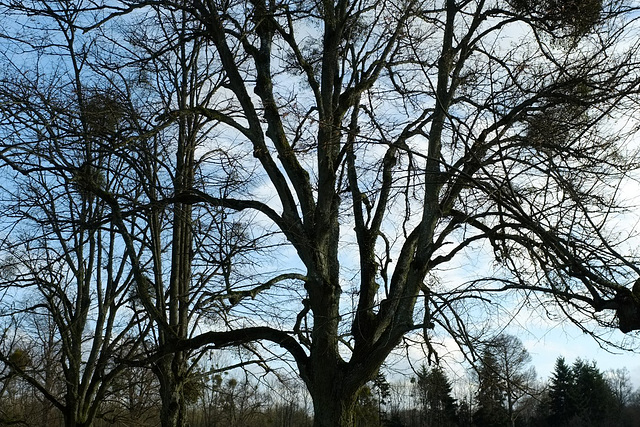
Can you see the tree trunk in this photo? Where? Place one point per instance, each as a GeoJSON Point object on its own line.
{"type": "Point", "coordinates": [333, 391]}
{"type": "Point", "coordinates": [170, 412]}
{"type": "Point", "coordinates": [70, 416]}
{"type": "Point", "coordinates": [333, 410]}
{"type": "Point", "coordinates": [171, 397]}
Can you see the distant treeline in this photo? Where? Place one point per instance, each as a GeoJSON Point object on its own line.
{"type": "Point", "coordinates": [501, 390]}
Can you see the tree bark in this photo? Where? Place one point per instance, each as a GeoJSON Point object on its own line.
{"type": "Point", "coordinates": [171, 414]}
{"type": "Point", "coordinates": [333, 404]}
{"type": "Point", "coordinates": [333, 412]}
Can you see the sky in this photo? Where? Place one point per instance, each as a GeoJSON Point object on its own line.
{"type": "Point", "coordinates": [568, 341]}
{"type": "Point", "coordinates": [545, 341]}
{"type": "Point", "coordinates": [545, 332]}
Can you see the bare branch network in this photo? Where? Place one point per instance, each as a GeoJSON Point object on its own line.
{"type": "Point", "coordinates": [181, 176]}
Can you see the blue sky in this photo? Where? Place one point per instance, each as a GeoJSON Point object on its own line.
{"type": "Point", "coordinates": [571, 343]}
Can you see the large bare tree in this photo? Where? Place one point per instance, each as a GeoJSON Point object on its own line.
{"type": "Point", "coordinates": [66, 284]}
{"type": "Point", "coordinates": [385, 142]}
{"type": "Point", "coordinates": [398, 137]}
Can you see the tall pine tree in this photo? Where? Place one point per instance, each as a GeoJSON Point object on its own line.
{"type": "Point", "coordinates": [491, 395]}
{"type": "Point", "coordinates": [579, 395]}
{"type": "Point", "coordinates": [593, 397]}
{"type": "Point", "coordinates": [438, 408]}
{"type": "Point", "coordinates": [561, 405]}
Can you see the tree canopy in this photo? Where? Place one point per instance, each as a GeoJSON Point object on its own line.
{"type": "Point", "coordinates": [301, 175]}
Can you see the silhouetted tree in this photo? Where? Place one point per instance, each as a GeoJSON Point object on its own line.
{"type": "Point", "coordinates": [465, 413]}
{"type": "Point", "coordinates": [513, 362]}
{"type": "Point", "coordinates": [560, 389]}
{"type": "Point", "coordinates": [64, 270]}
{"type": "Point", "coordinates": [619, 381]}
{"type": "Point", "coordinates": [491, 396]}
{"type": "Point", "coordinates": [580, 395]}
{"type": "Point", "coordinates": [437, 406]}
{"type": "Point", "coordinates": [383, 138]}
{"type": "Point", "coordinates": [593, 398]}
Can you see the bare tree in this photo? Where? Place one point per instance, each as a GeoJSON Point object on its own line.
{"type": "Point", "coordinates": [398, 137]}
{"type": "Point", "coordinates": [187, 261]}
{"type": "Point", "coordinates": [136, 138]}
{"type": "Point", "coordinates": [383, 142]}
{"type": "Point", "coordinates": [513, 368]}
{"type": "Point", "coordinates": [195, 254]}
{"type": "Point", "coordinates": [620, 383]}
{"type": "Point", "coordinates": [63, 272]}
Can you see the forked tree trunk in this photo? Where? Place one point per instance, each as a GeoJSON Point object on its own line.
{"type": "Point", "coordinates": [333, 387]}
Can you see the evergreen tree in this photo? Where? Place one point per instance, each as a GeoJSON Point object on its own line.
{"type": "Point", "coordinates": [561, 408]}
{"type": "Point", "coordinates": [438, 407]}
{"type": "Point", "coordinates": [580, 395]}
{"type": "Point", "coordinates": [382, 388]}
{"type": "Point", "coordinates": [491, 394]}
{"type": "Point", "coordinates": [593, 398]}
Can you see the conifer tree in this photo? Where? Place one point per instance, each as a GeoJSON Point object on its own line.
{"type": "Point", "coordinates": [580, 395]}
{"type": "Point", "coordinates": [593, 398]}
{"type": "Point", "coordinates": [437, 406]}
{"type": "Point", "coordinates": [491, 395]}
{"type": "Point", "coordinates": [559, 394]}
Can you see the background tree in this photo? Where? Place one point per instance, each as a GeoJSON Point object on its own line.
{"type": "Point", "coordinates": [593, 398]}
{"type": "Point", "coordinates": [64, 270]}
{"type": "Point", "coordinates": [561, 408]}
{"type": "Point", "coordinates": [632, 410]}
{"type": "Point", "coordinates": [289, 404]}
{"type": "Point", "coordinates": [437, 405]}
{"type": "Point", "coordinates": [465, 413]}
{"type": "Point", "coordinates": [491, 396]}
{"type": "Point", "coordinates": [16, 401]}
{"type": "Point", "coordinates": [580, 395]}
{"type": "Point", "coordinates": [505, 378]}
{"type": "Point", "coordinates": [514, 368]}
{"type": "Point", "coordinates": [133, 399]}
{"type": "Point", "coordinates": [619, 381]}
{"type": "Point", "coordinates": [187, 260]}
